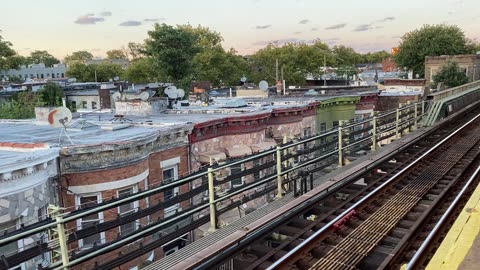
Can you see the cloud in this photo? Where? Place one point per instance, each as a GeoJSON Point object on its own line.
{"type": "Point", "coordinates": [386, 19]}
{"type": "Point", "coordinates": [305, 21]}
{"type": "Point", "coordinates": [314, 29]}
{"type": "Point", "coordinates": [297, 33]}
{"type": "Point", "coordinates": [363, 27]}
{"type": "Point", "coordinates": [131, 23]}
{"type": "Point", "coordinates": [106, 14]}
{"type": "Point", "coordinates": [89, 19]}
{"type": "Point", "coordinates": [378, 27]}
{"type": "Point", "coordinates": [336, 26]}
{"type": "Point", "coordinates": [263, 26]}
{"type": "Point", "coordinates": [95, 49]}
{"type": "Point", "coordinates": [153, 19]}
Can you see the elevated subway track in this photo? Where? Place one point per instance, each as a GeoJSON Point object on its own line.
{"type": "Point", "coordinates": [260, 244]}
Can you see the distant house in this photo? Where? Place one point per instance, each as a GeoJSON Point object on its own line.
{"type": "Point", "coordinates": [121, 62]}
{"type": "Point", "coordinates": [35, 71]}
{"type": "Point", "coordinates": [469, 63]}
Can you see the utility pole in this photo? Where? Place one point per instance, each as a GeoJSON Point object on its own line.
{"type": "Point", "coordinates": [276, 70]}
{"type": "Point", "coordinates": [324, 70]}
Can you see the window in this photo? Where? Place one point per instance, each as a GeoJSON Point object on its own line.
{"type": "Point", "coordinates": [94, 105]}
{"type": "Point", "coordinates": [89, 221]}
{"type": "Point", "coordinates": [63, 75]}
{"type": "Point", "coordinates": [170, 174]}
{"type": "Point", "coordinates": [12, 248]}
{"type": "Point", "coordinates": [84, 104]}
{"type": "Point", "coordinates": [126, 209]}
{"type": "Point", "coordinates": [323, 129]}
{"type": "Point", "coordinates": [74, 104]}
{"type": "Point", "coordinates": [239, 180]}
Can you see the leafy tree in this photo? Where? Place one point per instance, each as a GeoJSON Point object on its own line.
{"type": "Point", "coordinates": [86, 73]}
{"type": "Point", "coordinates": [135, 50]}
{"type": "Point", "coordinates": [297, 61]}
{"type": "Point", "coordinates": [430, 40]}
{"type": "Point", "coordinates": [451, 75]}
{"type": "Point", "coordinates": [172, 50]}
{"type": "Point", "coordinates": [20, 106]}
{"type": "Point", "coordinates": [15, 79]}
{"type": "Point", "coordinates": [346, 55]}
{"type": "Point", "coordinates": [37, 57]}
{"type": "Point", "coordinates": [78, 56]}
{"type": "Point", "coordinates": [219, 67]}
{"type": "Point", "coordinates": [375, 57]}
{"type": "Point", "coordinates": [116, 54]}
{"type": "Point", "coordinates": [51, 94]}
{"type": "Point", "coordinates": [16, 61]}
{"type": "Point", "coordinates": [6, 53]}
{"type": "Point", "coordinates": [206, 38]}
{"type": "Point", "coordinates": [141, 70]}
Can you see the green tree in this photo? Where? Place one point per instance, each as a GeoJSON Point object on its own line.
{"type": "Point", "coordinates": [172, 50]}
{"type": "Point", "coordinates": [6, 54]}
{"type": "Point", "coordinates": [136, 50]}
{"type": "Point", "coordinates": [20, 106]}
{"type": "Point", "coordinates": [141, 70]}
{"type": "Point", "coordinates": [451, 75]}
{"type": "Point", "coordinates": [430, 40]}
{"type": "Point", "coordinates": [51, 94]}
{"type": "Point", "coordinates": [375, 57]}
{"type": "Point", "coordinates": [37, 57]}
{"type": "Point", "coordinates": [86, 73]}
{"type": "Point", "coordinates": [219, 67]}
{"type": "Point", "coordinates": [346, 55]}
{"type": "Point", "coordinates": [116, 54]}
{"type": "Point", "coordinates": [80, 71]}
{"type": "Point", "coordinates": [78, 56]}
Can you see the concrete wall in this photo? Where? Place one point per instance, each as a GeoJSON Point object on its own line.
{"type": "Point", "coordinates": [38, 71]}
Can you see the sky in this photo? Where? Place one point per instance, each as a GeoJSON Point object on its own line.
{"type": "Point", "coordinates": [64, 26]}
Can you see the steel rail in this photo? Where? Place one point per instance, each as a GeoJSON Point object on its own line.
{"type": "Point", "coordinates": [420, 251]}
{"type": "Point", "coordinates": [368, 196]}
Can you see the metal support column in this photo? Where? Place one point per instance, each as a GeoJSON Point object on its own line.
{"type": "Point", "coordinates": [211, 199]}
{"type": "Point", "coordinates": [374, 132]}
{"type": "Point", "coordinates": [340, 150]}
{"type": "Point", "coordinates": [397, 123]}
{"type": "Point", "coordinates": [62, 241]}
{"type": "Point", "coordinates": [415, 125]}
{"type": "Point", "coordinates": [279, 172]}
{"type": "Point", "coordinates": [423, 108]}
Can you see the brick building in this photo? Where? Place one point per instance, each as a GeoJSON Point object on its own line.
{"type": "Point", "coordinates": [469, 63]}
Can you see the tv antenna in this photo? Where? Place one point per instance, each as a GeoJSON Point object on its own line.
{"type": "Point", "coordinates": [60, 118]}
{"type": "Point", "coordinates": [263, 85]}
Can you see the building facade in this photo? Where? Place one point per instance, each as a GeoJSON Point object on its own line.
{"type": "Point", "coordinates": [469, 63]}
{"type": "Point", "coordinates": [36, 71]}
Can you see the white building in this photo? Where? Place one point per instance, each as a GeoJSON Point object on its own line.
{"type": "Point", "coordinates": [36, 71]}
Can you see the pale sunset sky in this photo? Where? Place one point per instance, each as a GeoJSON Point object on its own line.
{"type": "Point", "coordinates": [64, 26]}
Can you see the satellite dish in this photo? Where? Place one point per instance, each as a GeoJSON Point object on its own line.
{"type": "Point", "coordinates": [116, 78]}
{"type": "Point", "coordinates": [144, 96]}
{"type": "Point", "coordinates": [243, 79]}
{"type": "Point", "coordinates": [172, 95]}
{"type": "Point", "coordinates": [116, 96]}
{"type": "Point", "coordinates": [59, 117]}
{"type": "Point", "coordinates": [170, 90]}
{"type": "Point", "coordinates": [263, 86]}
{"type": "Point", "coordinates": [180, 93]}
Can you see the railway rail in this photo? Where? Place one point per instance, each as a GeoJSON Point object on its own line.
{"type": "Point", "coordinates": [368, 223]}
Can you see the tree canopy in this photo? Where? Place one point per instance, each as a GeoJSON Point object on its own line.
{"type": "Point", "coordinates": [172, 50]}
{"type": "Point", "coordinates": [51, 94]}
{"type": "Point", "coordinates": [116, 54]}
{"type": "Point", "coordinates": [9, 59]}
{"type": "Point", "coordinates": [141, 70]}
{"type": "Point", "coordinates": [86, 73]}
{"type": "Point", "coordinates": [78, 56]}
{"type": "Point", "coordinates": [37, 57]}
{"type": "Point", "coordinates": [430, 40]}
{"type": "Point", "coordinates": [451, 75]}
